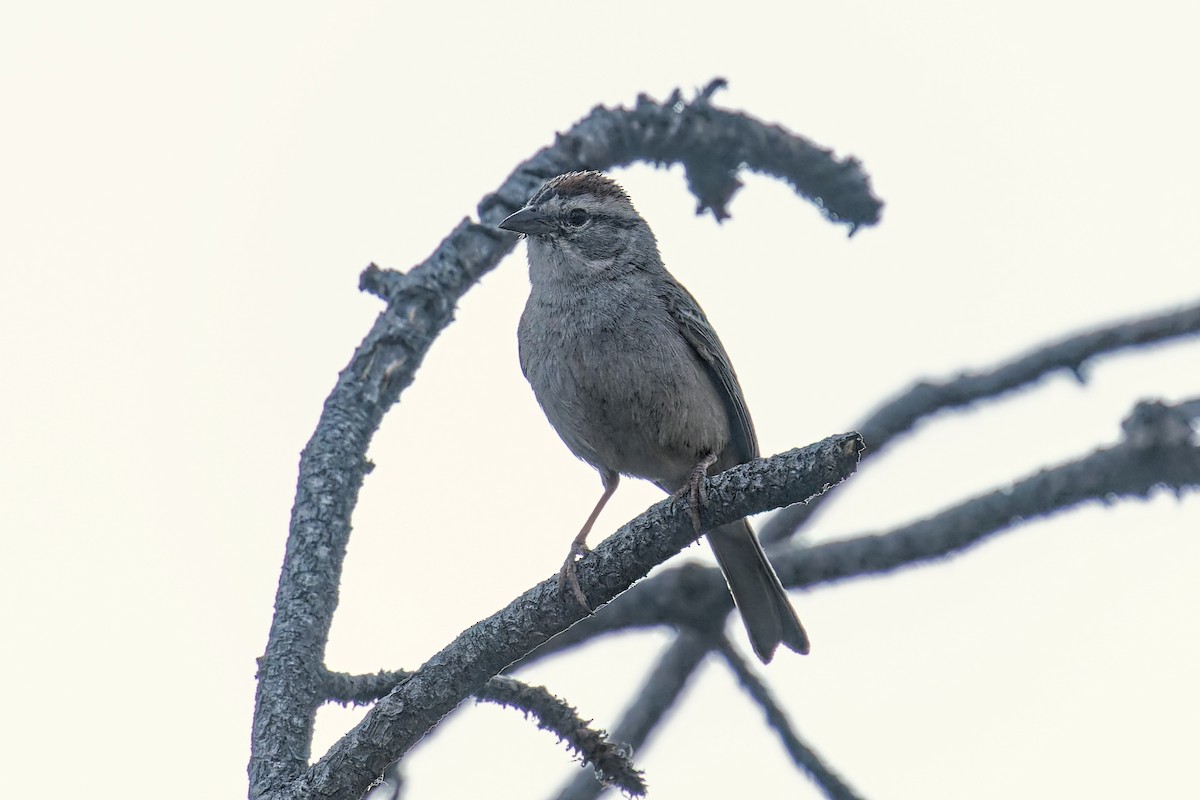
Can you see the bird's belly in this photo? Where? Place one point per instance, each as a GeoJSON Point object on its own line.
{"type": "Point", "coordinates": [633, 409]}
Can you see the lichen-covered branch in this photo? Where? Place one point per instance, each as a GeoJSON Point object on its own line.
{"type": "Point", "coordinates": [610, 758]}
{"type": "Point", "coordinates": [711, 143]}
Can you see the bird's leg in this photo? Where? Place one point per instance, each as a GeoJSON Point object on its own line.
{"type": "Point", "coordinates": [567, 576]}
{"type": "Point", "coordinates": [695, 491]}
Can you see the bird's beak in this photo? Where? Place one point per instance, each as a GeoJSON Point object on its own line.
{"type": "Point", "coordinates": [528, 220]}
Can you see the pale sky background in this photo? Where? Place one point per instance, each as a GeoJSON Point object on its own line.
{"type": "Point", "coordinates": [190, 192]}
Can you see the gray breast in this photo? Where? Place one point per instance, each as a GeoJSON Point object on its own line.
{"type": "Point", "coordinates": [623, 389]}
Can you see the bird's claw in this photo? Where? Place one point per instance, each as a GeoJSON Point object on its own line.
{"type": "Point", "coordinates": [695, 490]}
{"type": "Point", "coordinates": [567, 578]}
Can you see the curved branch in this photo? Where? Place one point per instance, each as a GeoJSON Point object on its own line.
{"type": "Point", "coordinates": [419, 306]}
{"type": "Point", "coordinates": [712, 144]}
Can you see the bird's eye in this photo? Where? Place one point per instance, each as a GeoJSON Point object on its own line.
{"type": "Point", "coordinates": [576, 217]}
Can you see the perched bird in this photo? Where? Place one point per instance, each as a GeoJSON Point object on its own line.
{"type": "Point", "coordinates": [632, 376]}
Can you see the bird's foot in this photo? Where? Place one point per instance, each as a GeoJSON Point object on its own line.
{"type": "Point", "coordinates": [567, 579]}
{"type": "Point", "coordinates": [695, 490]}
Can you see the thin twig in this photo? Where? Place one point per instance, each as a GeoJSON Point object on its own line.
{"type": "Point", "coordinates": [611, 762]}
{"type": "Point", "coordinates": [1155, 454]}
{"type": "Point", "coordinates": [803, 756]}
{"type": "Point", "coordinates": [650, 706]}
{"type": "Point", "coordinates": [360, 690]}
{"type": "Point", "coordinates": [611, 759]}
{"type": "Point", "coordinates": [1073, 353]}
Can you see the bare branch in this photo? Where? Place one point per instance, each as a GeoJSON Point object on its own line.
{"type": "Point", "coordinates": [690, 597]}
{"type": "Point", "coordinates": [650, 705]}
{"type": "Point", "coordinates": [1159, 451]}
{"type": "Point", "coordinates": [1156, 453]}
{"type": "Point", "coordinates": [898, 416]}
{"type": "Point", "coordinates": [361, 690]}
{"type": "Point", "coordinates": [612, 762]}
{"type": "Point", "coordinates": [802, 755]}
{"type": "Point", "coordinates": [419, 702]}
{"type": "Point", "coordinates": [663, 688]}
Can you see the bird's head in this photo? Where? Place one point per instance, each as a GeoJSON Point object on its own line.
{"type": "Point", "coordinates": [582, 218]}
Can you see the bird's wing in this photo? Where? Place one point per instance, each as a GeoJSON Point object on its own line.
{"type": "Point", "coordinates": [696, 330]}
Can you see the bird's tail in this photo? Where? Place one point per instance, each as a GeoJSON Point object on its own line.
{"type": "Point", "coordinates": [764, 605]}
